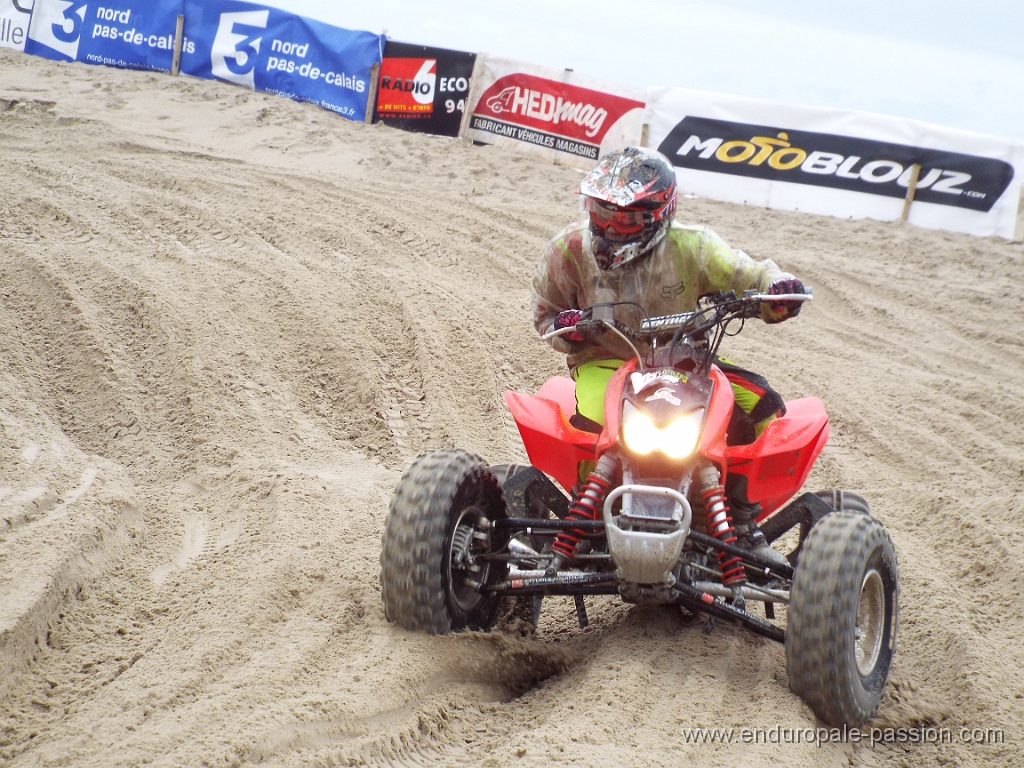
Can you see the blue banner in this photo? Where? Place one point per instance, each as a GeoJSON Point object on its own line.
{"type": "Point", "coordinates": [132, 34]}
{"type": "Point", "coordinates": [269, 50]}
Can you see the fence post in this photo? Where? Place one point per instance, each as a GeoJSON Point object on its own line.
{"type": "Point", "coordinates": [178, 41]}
{"type": "Point", "coordinates": [915, 174]}
{"type": "Point", "coordinates": [371, 100]}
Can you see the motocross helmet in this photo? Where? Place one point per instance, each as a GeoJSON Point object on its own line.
{"type": "Point", "coordinates": [630, 196]}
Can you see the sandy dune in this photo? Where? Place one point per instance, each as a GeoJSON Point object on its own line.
{"type": "Point", "coordinates": [228, 322]}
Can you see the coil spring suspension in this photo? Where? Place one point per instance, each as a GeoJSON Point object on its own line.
{"type": "Point", "coordinates": [719, 523]}
{"type": "Point", "coordinates": [587, 506]}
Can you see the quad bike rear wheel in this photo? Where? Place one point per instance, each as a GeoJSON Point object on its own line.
{"type": "Point", "coordinates": [438, 526]}
{"type": "Point", "coordinates": [842, 618]}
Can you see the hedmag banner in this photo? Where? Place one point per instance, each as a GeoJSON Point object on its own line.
{"type": "Point", "coordinates": [570, 118]}
{"type": "Point", "coordinates": [132, 34]}
{"type": "Point", "coordinates": [267, 49]}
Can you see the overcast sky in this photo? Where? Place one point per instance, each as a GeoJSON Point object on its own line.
{"type": "Point", "coordinates": [956, 63]}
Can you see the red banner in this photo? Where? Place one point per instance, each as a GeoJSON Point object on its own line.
{"type": "Point", "coordinates": [556, 115]}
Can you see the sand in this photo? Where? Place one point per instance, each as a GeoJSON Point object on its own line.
{"type": "Point", "coordinates": [229, 321]}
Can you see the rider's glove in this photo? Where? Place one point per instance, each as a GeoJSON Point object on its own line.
{"type": "Point", "coordinates": [790, 308]}
{"type": "Point", "coordinates": [568, 318]}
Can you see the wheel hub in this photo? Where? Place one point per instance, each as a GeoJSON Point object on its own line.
{"type": "Point", "coordinates": [870, 622]}
{"type": "Point", "coordinates": [466, 575]}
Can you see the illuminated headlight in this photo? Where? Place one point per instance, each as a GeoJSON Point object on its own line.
{"type": "Point", "coordinates": [677, 440]}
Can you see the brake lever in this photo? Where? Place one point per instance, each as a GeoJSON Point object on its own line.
{"type": "Point", "coordinates": [751, 309]}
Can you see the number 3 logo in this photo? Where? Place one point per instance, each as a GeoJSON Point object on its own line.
{"type": "Point", "coordinates": [71, 28]}
{"type": "Point", "coordinates": [233, 57]}
{"type": "Point", "coordinates": [57, 25]}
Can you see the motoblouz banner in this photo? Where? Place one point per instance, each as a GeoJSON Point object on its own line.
{"type": "Point", "coordinates": [841, 164]}
{"type": "Point", "coordinates": [131, 34]}
{"type": "Point", "coordinates": [269, 50]}
{"type": "Point", "coordinates": [423, 89]}
{"type": "Point", "coordinates": [570, 118]}
{"type": "Point", "coordinates": [14, 19]}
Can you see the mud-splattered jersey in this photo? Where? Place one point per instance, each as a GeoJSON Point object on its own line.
{"type": "Point", "coordinates": [689, 262]}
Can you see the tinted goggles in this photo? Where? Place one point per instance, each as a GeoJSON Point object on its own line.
{"type": "Point", "coordinates": [607, 217]}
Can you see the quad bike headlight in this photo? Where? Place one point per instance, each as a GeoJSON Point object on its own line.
{"type": "Point", "coordinates": [677, 440]}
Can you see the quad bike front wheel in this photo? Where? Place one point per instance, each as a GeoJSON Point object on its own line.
{"type": "Point", "coordinates": [432, 572]}
{"type": "Point", "coordinates": [842, 618]}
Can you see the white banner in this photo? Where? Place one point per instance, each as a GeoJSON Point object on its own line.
{"type": "Point", "coordinates": [14, 19]}
{"type": "Point", "coordinates": [570, 118]}
{"type": "Point", "coordinates": [836, 163]}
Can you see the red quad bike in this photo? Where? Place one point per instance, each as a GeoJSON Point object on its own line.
{"type": "Point", "coordinates": [652, 523]}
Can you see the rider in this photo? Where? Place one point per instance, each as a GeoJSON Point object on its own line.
{"type": "Point", "coordinates": [629, 249]}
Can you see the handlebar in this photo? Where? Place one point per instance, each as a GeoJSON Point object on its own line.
{"type": "Point", "coordinates": [727, 306]}
{"type": "Point", "coordinates": [709, 319]}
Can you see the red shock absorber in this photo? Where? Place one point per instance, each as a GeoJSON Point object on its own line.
{"type": "Point", "coordinates": [587, 506]}
{"type": "Point", "coordinates": [719, 524]}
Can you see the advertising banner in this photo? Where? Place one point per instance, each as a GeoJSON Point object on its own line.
{"type": "Point", "coordinates": [267, 49]}
{"type": "Point", "coordinates": [846, 164]}
{"type": "Point", "coordinates": [423, 89]}
{"type": "Point", "coordinates": [131, 34]}
{"type": "Point", "coordinates": [14, 19]}
{"type": "Point", "coordinates": [567, 117]}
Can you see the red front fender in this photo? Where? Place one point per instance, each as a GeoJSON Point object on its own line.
{"type": "Point", "coordinates": [553, 445]}
{"type": "Point", "coordinates": [777, 464]}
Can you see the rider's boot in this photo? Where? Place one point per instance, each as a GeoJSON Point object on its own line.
{"type": "Point", "coordinates": [748, 535]}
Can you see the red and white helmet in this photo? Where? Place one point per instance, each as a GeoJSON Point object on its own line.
{"type": "Point", "coordinates": [630, 196]}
